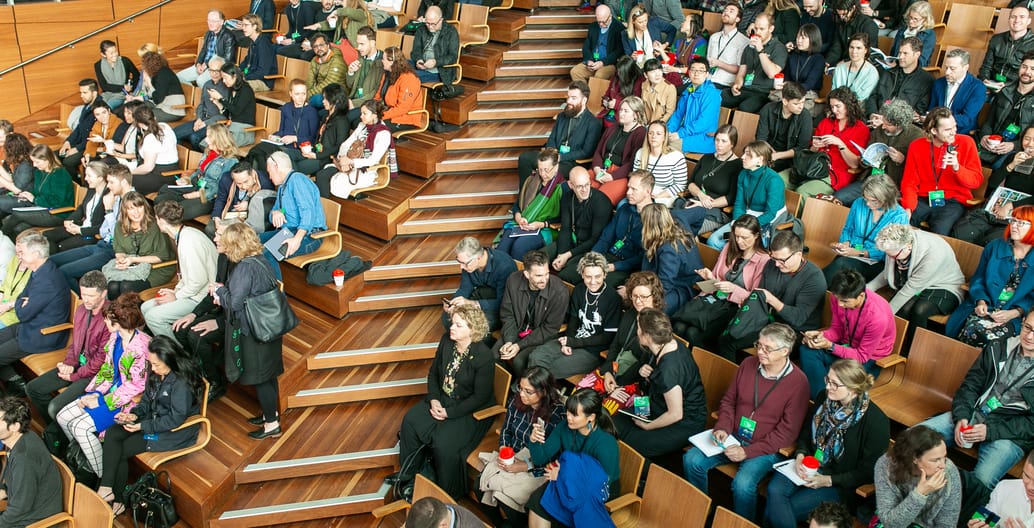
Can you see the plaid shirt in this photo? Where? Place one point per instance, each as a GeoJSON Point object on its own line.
{"type": "Point", "coordinates": [517, 427]}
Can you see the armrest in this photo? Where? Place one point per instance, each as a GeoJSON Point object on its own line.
{"type": "Point", "coordinates": [623, 502]}
{"type": "Point", "coordinates": [890, 361]}
{"type": "Point", "coordinates": [788, 450]}
{"type": "Point", "coordinates": [165, 264]}
{"type": "Point", "coordinates": [56, 328]}
{"type": "Point", "coordinates": [49, 122]}
{"type": "Point", "coordinates": [324, 234]}
{"type": "Point", "coordinates": [275, 76]}
{"type": "Point", "coordinates": [185, 55]}
{"type": "Point", "coordinates": [714, 414]}
{"type": "Point", "coordinates": [193, 420]}
{"type": "Point", "coordinates": [62, 210]}
{"type": "Point", "coordinates": [63, 130]}
{"type": "Point", "coordinates": [494, 410]}
{"type": "Point", "coordinates": [388, 509]}
{"type": "Point", "coordinates": [865, 490]}
{"type": "Point", "coordinates": [179, 172]}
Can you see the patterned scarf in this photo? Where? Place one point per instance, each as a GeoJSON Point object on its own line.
{"type": "Point", "coordinates": [832, 420]}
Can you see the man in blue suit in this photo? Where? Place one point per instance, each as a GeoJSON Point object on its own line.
{"type": "Point", "coordinates": [959, 90]}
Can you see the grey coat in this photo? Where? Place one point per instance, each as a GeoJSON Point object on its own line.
{"type": "Point", "coordinates": [933, 266]}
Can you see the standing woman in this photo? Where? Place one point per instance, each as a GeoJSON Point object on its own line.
{"type": "Point", "coordinates": [678, 408]}
{"type": "Point", "coordinates": [248, 360]}
{"type": "Point", "coordinates": [197, 192]}
{"type": "Point", "coordinates": [1001, 291]}
{"type": "Point", "coordinates": [713, 183]}
{"type": "Point", "coordinates": [83, 225]}
{"type": "Point", "coordinates": [851, 433]}
{"type": "Point", "coordinates": [916, 483]}
{"type": "Point", "coordinates": [759, 193]}
{"type": "Point", "coordinates": [537, 207]}
{"type": "Point", "coordinates": [160, 88]}
{"type": "Point", "coordinates": [16, 172]}
{"type": "Point", "coordinates": [239, 104]}
{"type": "Point", "coordinates": [51, 189]}
{"type": "Point", "coordinates": [458, 384]}
{"type": "Point", "coordinates": [616, 150]}
{"type": "Point", "coordinates": [138, 246]}
{"type": "Point", "coordinates": [842, 135]}
{"type": "Point", "coordinates": [116, 386]}
{"type": "Point", "coordinates": [857, 73]}
{"type": "Point", "coordinates": [156, 153]}
{"type": "Point", "coordinates": [877, 209]}
{"type": "Point", "coordinates": [172, 394]}
{"type": "Point", "coordinates": [402, 94]}
{"type": "Point", "coordinates": [116, 75]}
{"type": "Point", "coordinates": [658, 94]}
{"type": "Point", "coordinates": [370, 144]}
{"type": "Point", "coordinates": [669, 251]}
{"type": "Point", "coordinates": [667, 164]}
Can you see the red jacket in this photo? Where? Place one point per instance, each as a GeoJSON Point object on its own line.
{"type": "Point", "coordinates": [923, 172]}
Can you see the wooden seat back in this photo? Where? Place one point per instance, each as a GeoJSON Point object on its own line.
{"type": "Point", "coordinates": [67, 497]}
{"type": "Point", "coordinates": [966, 254]}
{"type": "Point", "coordinates": [330, 240]}
{"type": "Point", "coordinates": [725, 518]}
{"type": "Point", "coordinates": [597, 87]}
{"type": "Point", "coordinates": [45, 361]}
{"type": "Point", "coordinates": [661, 510]}
{"type": "Point", "coordinates": [793, 202]}
{"type": "Point", "coordinates": [154, 459]}
{"type": "Point", "coordinates": [425, 116]}
{"type": "Point", "coordinates": [746, 124]}
{"type": "Point", "coordinates": [473, 24]}
{"type": "Point", "coordinates": [823, 223]}
{"type": "Point", "coordinates": [90, 510]}
{"type": "Point", "coordinates": [708, 255]}
{"type": "Point", "coordinates": [969, 25]}
{"type": "Point", "coordinates": [717, 374]}
{"type": "Point", "coordinates": [387, 38]}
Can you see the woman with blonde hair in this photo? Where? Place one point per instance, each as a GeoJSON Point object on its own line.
{"type": "Point", "coordinates": [197, 192]}
{"type": "Point", "coordinates": [616, 150]}
{"type": "Point", "coordinates": [646, 36]}
{"type": "Point", "coordinates": [669, 251]}
{"type": "Point", "coordinates": [667, 164]}
{"type": "Point", "coordinates": [917, 22]}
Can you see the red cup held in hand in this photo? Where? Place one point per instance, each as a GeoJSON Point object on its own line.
{"type": "Point", "coordinates": [811, 465]}
{"type": "Point", "coordinates": [506, 455]}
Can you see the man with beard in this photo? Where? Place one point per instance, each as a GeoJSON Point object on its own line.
{"type": "Point", "coordinates": [959, 91]}
{"type": "Point", "coordinates": [622, 240]}
{"type": "Point", "coordinates": [327, 67]}
{"type": "Point", "coordinates": [725, 48]}
{"type": "Point", "coordinates": [574, 135]}
{"type": "Point", "coordinates": [905, 81]}
{"type": "Point", "coordinates": [532, 311]}
{"type": "Point", "coordinates": [815, 12]}
{"type": "Point", "coordinates": [1012, 111]}
{"type": "Point", "coordinates": [847, 22]}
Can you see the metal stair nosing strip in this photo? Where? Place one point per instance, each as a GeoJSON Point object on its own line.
{"type": "Point", "coordinates": [243, 514]}
{"type": "Point", "coordinates": [324, 357]}
{"type": "Point", "coordinates": [454, 196]}
{"type": "Point", "coordinates": [453, 220]}
{"type": "Point", "coordinates": [361, 387]}
{"type": "Point", "coordinates": [314, 462]}
{"type": "Point", "coordinates": [404, 295]}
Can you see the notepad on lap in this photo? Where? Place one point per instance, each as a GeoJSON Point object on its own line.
{"type": "Point", "coordinates": [704, 441]}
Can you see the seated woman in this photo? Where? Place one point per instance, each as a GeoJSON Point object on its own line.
{"type": "Point", "coordinates": [343, 26]}
{"type": "Point", "coordinates": [16, 172]}
{"type": "Point", "coordinates": [156, 153]}
{"type": "Point", "coordinates": [842, 135]}
{"type": "Point", "coordinates": [537, 206]}
{"type": "Point", "coordinates": [587, 443]}
{"type": "Point", "coordinates": [1001, 290]}
{"type": "Point", "coordinates": [627, 82]}
{"type": "Point", "coordinates": [105, 126]}
{"type": "Point", "coordinates": [696, 114]}
{"type": "Point", "coordinates": [786, 15]}
{"type": "Point", "coordinates": [403, 93]}
{"type": "Point", "coordinates": [805, 64]}
{"type": "Point", "coordinates": [646, 36]}
{"type": "Point", "coordinates": [117, 385]}
{"type": "Point", "coordinates": [160, 88]}
{"type": "Point", "coordinates": [712, 185]}
{"type": "Point", "coordinates": [370, 144]}
{"type": "Point", "coordinates": [241, 198]}
{"type": "Point", "coordinates": [138, 246]}
{"type": "Point", "coordinates": [857, 73]}
{"type": "Point", "coordinates": [116, 74]}
{"type": "Point", "coordinates": [238, 106]}
{"type": "Point", "coordinates": [616, 150]}
{"type": "Point", "coordinates": [51, 189]}
{"type": "Point", "coordinates": [507, 487]}
{"type": "Point", "coordinates": [667, 164]}
{"type": "Point", "coordinates": [299, 124]}
{"type": "Point", "coordinates": [916, 483]}
{"type": "Point", "coordinates": [669, 251]}
{"type": "Point", "coordinates": [690, 43]}
{"type": "Point", "coordinates": [759, 192]}
{"type": "Point", "coordinates": [849, 431]}
{"type": "Point", "coordinates": [332, 133]}
{"type": "Point", "coordinates": [459, 383]}
{"type": "Point", "coordinates": [918, 21]}
{"type": "Point", "coordinates": [196, 192]}
{"type": "Point", "coordinates": [737, 272]}
{"type": "Point", "coordinates": [981, 227]}
{"type": "Point", "coordinates": [657, 93]}
{"type": "Point", "coordinates": [123, 145]}
{"type": "Point", "coordinates": [82, 226]}
{"type": "Point", "coordinates": [172, 393]}
{"type": "Point", "coordinates": [878, 209]}
{"type": "Point", "coordinates": [678, 408]}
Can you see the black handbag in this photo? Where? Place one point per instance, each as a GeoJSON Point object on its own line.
{"type": "Point", "coordinates": [269, 315]}
{"type": "Point", "coordinates": [808, 165]}
{"type": "Point", "coordinates": [151, 506]}
{"type": "Point", "coordinates": [754, 315]}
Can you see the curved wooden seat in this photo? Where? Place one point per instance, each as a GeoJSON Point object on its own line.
{"type": "Point", "coordinates": [330, 240]}
{"type": "Point", "coordinates": [153, 459]}
{"type": "Point", "coordinates": [425, 119]}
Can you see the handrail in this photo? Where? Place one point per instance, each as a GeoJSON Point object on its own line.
{"type": "Point", "coordinates": [72, 43]}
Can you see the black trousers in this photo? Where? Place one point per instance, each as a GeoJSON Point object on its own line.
{"type": "Point", "coordinates": [451, 440]}
{"type": "Point", "coordinates": [21, 220]}
{"type": "Point", "coordinates": [116, 288]}
{"type": "Point", "coordinates": [61, 240]}
{"type": "Point", "coordinates": [119, 446]}
{"type": "Point", "coordinates": [206, 349]}
{"type": "Point", "coordinates": [41, 392]}
{"type": "Point", "coordinates": [268, 393]}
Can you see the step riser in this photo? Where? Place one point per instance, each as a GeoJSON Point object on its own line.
{"type": "Point", "coordinates": [297, 401]}
{"type": "Point", "coordinates": [301, 512]}
{"type": "Point", "coordinates": [518, 55]}
{"type": "Point", "coordinates": [548, 34]}
{"type": "Point", "coordinates": [547, 19]}
{"type": "Point", "coordinates": [475, 165]}
{"type": "Point", "coordinates": [457, 145]}
{"type": "Point", "coordinates": [508, 114]}
{"type": "Point", "coordinates": [391, 356]}
{"type": "Point", "coordinates": [415, 272]}
{"type": "Point", "coordinates": [401, 303]}
{"type": "Point", "coordinates": [511, 71]}
{"type": "Point", "coordinates": [458, 226]}
{"type": "Point", "coordinates": [558, 95]}
{"type": "Point", "coordinates": [438, 202]}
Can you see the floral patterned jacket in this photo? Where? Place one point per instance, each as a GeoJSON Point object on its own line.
{"type": "Point", "coordinates": [132, 367]}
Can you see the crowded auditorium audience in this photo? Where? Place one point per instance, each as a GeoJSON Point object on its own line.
{"type": "Point", "coordinates": [786, 190]}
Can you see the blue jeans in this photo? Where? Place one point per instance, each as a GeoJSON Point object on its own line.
{"type": "Point", "coordinates": [994, 458]}
{"type": "Point", "coordinates": [717, 238]}
{"type": "Point", "coordinates": [186, 131]}
{"type": "Point", "coordinates": [789, 504]}
{"type": "Point", "coordinates": [307, 246]}
{"type": "Point", "coordinates": [744, 487]}
{"type": "Point", "coordinates": [75, 262]}
{"type": "Point", "coordinates": [816, 363]}
{"type": "Point", "coordinates": [424, 75]}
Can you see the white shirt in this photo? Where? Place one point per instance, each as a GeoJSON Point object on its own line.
{"type": "Point", "coordinates": [165, 149]}
{"type": "Point", "coordinates": [728, 48]}
{"type": "Point", "coordinates": [1010, 500]}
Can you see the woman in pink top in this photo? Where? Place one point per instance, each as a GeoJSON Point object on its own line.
{"type": "Point", "coordinates": [737, 272]}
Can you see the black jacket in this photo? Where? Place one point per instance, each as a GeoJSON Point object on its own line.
{"type": "Point", "coordinates": [96, 218]}
{"type": "Point", "coordinates": [1003, 423]}
{"type": "Point", "coordinates": [239, 104]}
{"type": "Point", "coordinates": [798, 134]}
{"type": "Point", "coordinates": [335, 132]}
{"type": "Point", "coordinates": [615, 49]}
{"type": "Point", "coordinates": [32, 483]}
{"type": "Point", "coordinates": [913, 87]}
{"type": "Point", "coordinates": [546, 317]}
{"type": "Point", "coordinates": [1004, 54]}
{"type": "Point", "coordinates": [165, 405]}
{"type": "Point", "coordinates": [446, 49]}
{"type": "Point", "coordinates": [132, 75]}
{"type": "Point", "coordinates": [842, 35]}
{"type": "Point", "coordinates": [585, 220]}
{"type": "Point", "coordinates": [225, 46]}
{"type": "Point", "coordinates": [472, 390]}
{"type": "Point", "coordinates": [1001, 110]}
{"type": "Point", "coordinates": [583, 137]}
{"type": "Point", "coordinates": [81, 132]}
{"type": "Point", "coordinates": [260, 61]}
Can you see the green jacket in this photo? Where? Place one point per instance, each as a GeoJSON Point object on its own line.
{"type": "Point", "coordinates": [53, 189]}
{"type": "Point", "coordinates": [363, 84]}
{"type": "Point", "coordinates": [349, 22]}
{"type": "Point", "coordinates": [323, 73]}
{"type": "Point", "coordinates": [151, 242]}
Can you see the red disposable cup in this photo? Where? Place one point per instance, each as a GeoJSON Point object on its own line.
{"type": "Point", "coordinates": [506, 455]}
{"type": "Point", "coordinates": [811, 463]}
{"type": "Point", "coordinates": [338, 273]}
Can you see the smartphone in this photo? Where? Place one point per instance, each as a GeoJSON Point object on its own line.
{"type": "Point", "coordinates": [989, 517]}
{"type": "Point", "coordinates": [539, 422]}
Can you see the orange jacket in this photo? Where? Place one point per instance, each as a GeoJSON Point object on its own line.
{"type": "Point", "coordinates": [401, 98]}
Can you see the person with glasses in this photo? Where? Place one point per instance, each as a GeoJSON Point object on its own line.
{"type": "Point", "coordinates": [206, 112]}
{"type": "Point", "coordinates": [483, 274]}
{"type": "Point", "coordinates": [584, 213]}
{"type": "Point", "coordinates": [218, 42]}
{"type": "Point", "coordinates": [646, 36]}
{"type": "Point", "coordinates": [918, 22]}
{"type": "Point", "coordinates": [894, 128]}
{"type": "Point", "coordinates": [260, 60]}
{"type": "Point", "coordinates": [602, 47]}
{"type": "Point", "coordinates": [981, 226]}
{"type": "Point", "coordinates": [862, 329]}
{"type": "Point", "coordinates": [695, 119]}
{"type": "Point", "coordinates": [537, 207]}
{"type": "Point", "coordinates": [327, 68]}
{"type": "Point", "coordinates": [1001, 291]}
{"type": "Point", "coordinates": [435, 46]}
{"type": "Point", "coordinates": [856, 249]}
{"type": "Point", "coordinates": [794, 290]}
{"type": "Point", "coordinates": [847, 432]}
{"type": "Point", "coordinates": [760, 192]}
{"type": "Point", "coordinates": [763, 410]}
{"type": "Point", "coordinates": [990, 411]}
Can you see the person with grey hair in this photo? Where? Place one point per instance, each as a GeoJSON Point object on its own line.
{"type": "Point", "coordinates": [483, 274]}
{"type": "Point", "coordinates": [218, 42]}
{"type": "Point", "coordinates": [297, 209]}
{"type": "Point", "coordinates": [867, 217]}
{"type": "Point", "coordinates": [981, 226]}
{"type": "Point", "coordinates": [592, 323]}
{"type": "Point", "coordinates": [897, 131]}
{"type": "Point", "coordinates": [922, 270]}
{"type": "Point", "coordinates": [959, 90]}
{"type": "Point", "coordinates": [45, 301]}
{"type": "Point", "coordinates": [207, 112]}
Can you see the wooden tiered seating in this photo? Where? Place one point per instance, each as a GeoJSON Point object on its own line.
{"type": "Point", "coordinates": [717, 374]}
{"type": "Point", "coordinates": [425, 116]}
{"type": "Point", "coordinates": [724, 518]}
{"type": "Point", "coordinates": [746, 124]}
{"type": "Point", "coordinates": [667, 501]}
{"type": "Point", "coordinates": [88, 511]}
{"type": "Point", "coordinates": [622, 508]}
{"type": "Point", "coordinates": [968, 26]}
{"type": "Point", "coordinates": [501, 389]}
{"type": "Point", "coordinates": [823, 222]}
{"type": "Point", "coordinates": [290, 69]}
{"type": "Point", "coordinates": [422, 487]}
{"type": "Point", "coordinates": [45, 361]}
{"type": "Point", "coordinates": [473, 25]}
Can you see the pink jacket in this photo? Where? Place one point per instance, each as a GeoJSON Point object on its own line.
{"type": "Point", "coordinates": [751, 273]}
{"type": "Point", "coordinates": [867, 332]}
{"type": "Point", "coordinates": [132, 367]}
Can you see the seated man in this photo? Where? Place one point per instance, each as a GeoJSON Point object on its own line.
{"type": "Point", "coordinates": [695, 119]}
{"type": "Point", "coordinates": [725, 48]}
{"type": "Point", "coordinates": [1012, 111]}
{"type": "Point", "coordinates": [830, 514]}
{"type": "Point", "coordinates": [862, 329]}
{"type": "Point", "coordinates": [483, 275]}
{"type": "Point", "coordinates": [1005, 50]}
{"type": "Point", "coordinates": [906, 81]}
{"type": "Point", "coordinates": [435, 45]}
{"type": "Point", "coordinates": [1011, 499]}
{"type": "Point", "coordinates": [304, 19]}
{"type": "Point", "coordinates": [816, 12]}
{"type": "Point", "coordinates": [207, 112]}
{"type": "Point", "coordinates": [532, 310]}
{"type": "Point", "coordinates": [592, 323]}
{"type": "Point", "coordinates": [763, 409]}
{"type": "Point", "coordinates": [44, 302]}
{"type": "Point", "coordinates": [794, 289]}
{"type": "Point", "coordinates": [365, 73]}
{"type": "Point", "coordinates": [85, 352]}
{"type": "Point", "coordinates": [327, 67]}
{"type": "Point", "coordinates": [762, 60]}
{"type": "Point", "coordinates": [894, 128]}
{"type": "Point", "coordinates": [197, 256]}
{"type": "Point", "coordinates": [602, 47]}
{"type": "Point", "coordinates": [430, 512]}
{"type": "Point", "coordinates": [81, 122]}
{"type": "Point", "coordinates": [847, 21]}
{"type": "Point", "coordinates": [786, 127]}
{"type": "Point", "coordinates": [959, 90]}
{"type": "Point", "coordinates": [260, 60]}
{"type": "Point", "coordinates": [31, 483]}
{"type": "Point", "coordinates": [265, 11]}
{"type": "Point", "coordinates": [574, 135]}
{"type": "Point", "coordinates": [990, 411]}
{"type": "Point", "coordinates": [621, 242]}
{"type": "Point", "coordinates": [584, 213]}
{"type": "Point", "coordinates": [218, 41]}
{"type": "Point", "coordinates": [297, 209]}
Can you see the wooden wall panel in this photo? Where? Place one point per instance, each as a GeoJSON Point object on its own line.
{"type": "Point", "coordinates": [184, 20]}
{"type": "Point", "coordinates": [80, 10]}
{"type": "Point", "coordinates": [76, 63]}
{"type": "Point", "coordinates": [124, 8]}
{"type": "Point", "coordinates": [6, 14]}
{"type": "Point", "coordinates": [40, 37]}
{"type": "Point", "coordinates": [131, 35]}
{"type": "Point", "coordinates": [14, 104]}
{"type": "Point", "coordinates": [9, 54]}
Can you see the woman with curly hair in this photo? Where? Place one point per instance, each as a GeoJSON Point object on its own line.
{"type": "Point", "coordinates": [16, 172]}
{"type": "Point", "coordinates": [841, 135]}
{"type": "Point", "coordinates": [669, 250]}
{"type": "Point", "coordinates": [916, 483]}
{"type": "Point", "coordinates": [159, 87]}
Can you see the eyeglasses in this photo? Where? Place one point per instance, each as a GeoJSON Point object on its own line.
{"type": "Point", "coordinates": [528, 392]}
{"type": "Point", "coordinates": [471, 259]}
{"type": "Point", "coordinates": [698, 71]}
{"type": "Point", "coordinates": [763, 348]}
{"type": "Point", "coordinates": [579, 187]}
{"type": "Point", "coordinates": [1015, 222]}
{"type": "Point", "coordinates": [783, 261]}
{"type": "Point", "coordinates": [636, 297]}
{"type": "Point", "coordinates": [833, 384]}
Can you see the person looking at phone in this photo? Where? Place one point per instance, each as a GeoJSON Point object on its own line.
{"type": "Point", "coordinates": [297, 208]}
{"type": "Point", "coordinates": [483, 274]}
{"type": "Point", "coordinates": [1012, 502]}
{"type": "Point", "coordinates": [916, 482]}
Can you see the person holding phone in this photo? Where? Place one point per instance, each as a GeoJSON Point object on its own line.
{"type": "Point", "coordinates": [1009, 506]}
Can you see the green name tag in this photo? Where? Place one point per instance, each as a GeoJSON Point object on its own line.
{"type": "Point", "coordinates": [746, 431]}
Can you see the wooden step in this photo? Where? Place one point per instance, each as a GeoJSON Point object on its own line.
{"type": "Point", "coordinates": [358, 393]}
{"type": "Point", "coordinates": [537, 50]}
{"type": "Point", "coordinates": [476, 161]}
{"type": "Point", "coordinates": [379, 212]}
{"type": "Point", "coordinates": [402, 294]}
{"type": "Point", "coordinates": [560, 3]}
{"type": "Point", "coordinates": [571, 17]}
{"type": "Point", "coordinates": [455, 220]}
{"type": "Point", "coordinates": [505, 26]}
{"type": "Point", "coordinates": [552, 33]}
{"type": "Point", "coordinates": [320, 465]}
{"type": "Point", "coordinates": [465, 190]}
{"type": "Point", "coordinates": [301, 511]}
{"type": "Point", "coordinates": [509, 134]}
{"type": "Point", "coordinates": [506, 111]}
{"type": "Point", "coordinates": [371, 356]}
{"type": "Point", "coordinates": [417, 154]}
{"type": "Point", "coordinates": [526, 89]}
{"type": "Point", "coordinates": [480, 62]}
{"type": "Point", "coordinates": [412, 270]}
{"type": "Point", "coordinates": [533, 67]}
